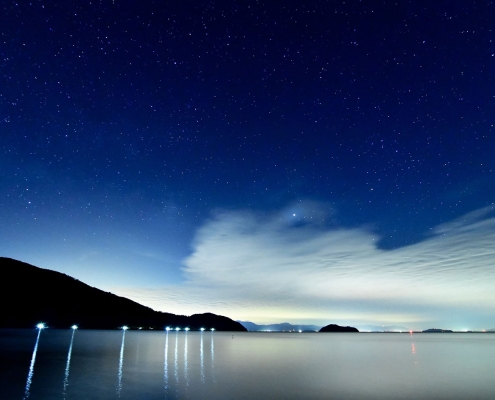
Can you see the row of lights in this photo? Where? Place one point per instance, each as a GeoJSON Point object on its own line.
{"type": "Point", "coordinates": [168, 328]}
{"type": "Point", "coordinates": [41, 325]}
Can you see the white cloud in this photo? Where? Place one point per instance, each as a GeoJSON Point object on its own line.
{"type": "Point", "coordinates": [267, 269]}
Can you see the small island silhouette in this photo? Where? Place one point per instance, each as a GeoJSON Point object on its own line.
{"type": "Point", "coordinates": [30, 295]}
{"type": "Point", "coordinates": [435, 330]}
{"type": "Point", "coordinates": [338, 328]}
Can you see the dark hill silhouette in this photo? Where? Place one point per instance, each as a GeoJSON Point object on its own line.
{"type": "Point", "coordinates": [435, 330]}
{"type": "Point", "coordinates": [30, 295]}
{"type": "Point", "coordinates": [338, 328]}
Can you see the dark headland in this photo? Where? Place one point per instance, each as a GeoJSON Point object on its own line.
{"type": "Point", "coordinates": [435, 330]}
{"type": "Point", "coordinates": [338, 328]}
{"type": "Point", "coordinates": [29, 295]}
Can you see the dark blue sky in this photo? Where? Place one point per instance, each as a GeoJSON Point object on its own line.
{"type": "Point", "coordinates": [130, 132]}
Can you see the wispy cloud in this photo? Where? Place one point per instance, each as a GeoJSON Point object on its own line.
{"type": "Point", "coordinates": [268, 268]}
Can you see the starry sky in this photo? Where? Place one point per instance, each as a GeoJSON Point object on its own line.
{"type": "Point", "coordinates": [306, 162]}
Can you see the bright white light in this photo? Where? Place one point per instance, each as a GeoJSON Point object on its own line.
{"type": "Point", "coordinates": [74, 327]}
{"type": "Point", "coordinates": [41, 325]}
{"type": "Point", "coordinates": [125, 327]}
{"type": "Point", "coordinates": [177, 329]}
{"type": "Point", "coordinates": [300, 331]}
{"type": "Point", "coordinates": [187, 329]}
{"type": "Point", "coordinates": [212, 329]}
{"type": "Point", "coordinates": [167, 328]}
{"type": "Point", "coordinates": [202, 329]}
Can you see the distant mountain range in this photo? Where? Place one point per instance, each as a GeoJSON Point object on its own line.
{"type": "Point", "coordinates": [282, 327]}
{"type": "Point", "coordinates": [30, 295]}
{"type": "Point", "coordinates": [379, 328]}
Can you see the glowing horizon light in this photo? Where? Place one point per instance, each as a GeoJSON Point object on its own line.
{"type": "Point", "coordinates": [202, 329]}
{"type": "Point", "coordinates": [212, 329]}
{"type": "Point", "coordinates": [177, 329]}
{"type": "Point", "coordinates": [125, 327]}
{"type": "Point", "coordinates": [300, 331]}
{"type": "Point", "coordinates": [74, 327]}
{"type": "Point", "coordinates": [187, 329]}
{"type": "Point", "coordinates": [41, 325]}
{"type": "Point", "coordinates": [167, 328]}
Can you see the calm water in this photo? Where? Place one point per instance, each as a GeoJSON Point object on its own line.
{"type": "Point", "coordinates": [62, 364]}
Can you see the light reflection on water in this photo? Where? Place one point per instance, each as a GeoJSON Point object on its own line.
{"type": "Point", "coordinates": [201, 359]}
{"type": "Point", "coordinates": [254, 365]}
{"type": "Point", "coordinates": [165, 365]}
{"type": "Point", "coordinates": [31, 367]}
{"type": "Point", "coordinates": [413, 350]}
{"type": "Point", "coordinates": [212, 355]}
{"type": "Point", "coordinates": [67, 365]}
{"type": "Point", "coordinates": [186, 372]}
{"type": "Point", "coordinates": [176, 359]}
{"type": "Point", "coordinates": [121, 364]}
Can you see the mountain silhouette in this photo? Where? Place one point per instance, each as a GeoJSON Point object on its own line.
{"type": "Point", "coordinates": [30, 295]}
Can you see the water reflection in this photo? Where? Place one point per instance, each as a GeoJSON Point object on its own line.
{"type": "Point", "coordinates": [413, 350]}
{"type": "Point", "coordinates": [179, 374]}
{"type": "Point", "coordinates": [121, 362]}
{"type": "Point", "coordinates": [176, 362]}
{"type": "Point", "coordinates": [202, 359]}
{"type": "Point", "coordinates": [186, 370]}
{"type": "Point", "coordinates": [31, 366]}
{"type": "Point", "coordinates": [452, 366]}
{"type": "Point", "coordinates": [67, 365]}
{"type": "Point", "coordinates": [212, 350]}
{"type": "Point", "coordinates": [165, 365]}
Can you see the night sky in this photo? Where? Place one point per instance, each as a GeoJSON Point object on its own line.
{"type": "Point", "coordinates": [318, 162]}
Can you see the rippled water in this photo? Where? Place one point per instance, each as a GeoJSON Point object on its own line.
{"type": "Point", "coordinates": [85, 364]}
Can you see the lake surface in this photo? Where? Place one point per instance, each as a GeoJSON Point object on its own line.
{"type": "Point", "coordinates": [86, 364]}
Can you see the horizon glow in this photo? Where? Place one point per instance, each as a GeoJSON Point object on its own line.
{"type": "Point", "coordinates": [344, 274]}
